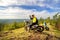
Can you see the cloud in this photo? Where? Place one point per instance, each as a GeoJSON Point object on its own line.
{"type": "Point", "coordinates": [42, 3]}
{"type": "Point", "coordinates": [12, 9]}
{"type": "Point", "coordinates": [52, 4]}
{"type": "Point", "coordinates": [7, 2]}
{"type": "Point", "coordinates": [19, 13]}
{"type": "Point", "coordinates": [56, 1]}
{"type": "Point", "coordinates": [17, 2]}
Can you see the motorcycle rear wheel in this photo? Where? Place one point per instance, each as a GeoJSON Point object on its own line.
{"type": "Point", "coordinates": [40, 29]}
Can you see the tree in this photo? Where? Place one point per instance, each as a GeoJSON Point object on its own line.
{"type": "Point", "coordinates": [54, 20]}
{"type": "Point", "coordinates": [55, 17]}
{"type": "Point", "coordinates": [1, 26]}
{"type": "Point", "coordinates": [14, 26]}
{"type": "Point", "coordinates": [41, 20]}
{"type": "Point", "coordinates": [58, 23]}
{"type": "Point", "coordinates": [48, 20]}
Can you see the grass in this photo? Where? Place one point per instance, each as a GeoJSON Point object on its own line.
{"type": "Point", "coordinates": [12, 26]}
{"type": "Point", "coordinates": [57, 33]}
{"type": "Point", "coordinates": [16, 30]}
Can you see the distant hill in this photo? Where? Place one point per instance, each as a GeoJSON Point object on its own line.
{"type": "Point", "coordinates": [11, 20]}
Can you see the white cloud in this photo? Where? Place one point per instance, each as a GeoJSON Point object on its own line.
{"type": "Point", "coordinates": [18, 2]}
{"type": "Point", "coordinates": [27, 2]}
{"type": "Point", "coordinates": [21, 2]}
{"type": "Point", "coordinates": [56, 1]}
{"type": "Point", "coordinates": [41, 3]}
{"type": "Point", "coordinates": [18, 13]}
{"type": "Point", "coordinates": [7, 2]}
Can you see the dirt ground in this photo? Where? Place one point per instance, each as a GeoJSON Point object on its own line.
{"type": "Point", "coordinates": [21, 34]}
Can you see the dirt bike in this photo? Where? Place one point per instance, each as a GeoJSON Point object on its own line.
{"type": "Point", "coordinates": [35, 27]}
{"type": "Point", "coordinates": [46, 28]}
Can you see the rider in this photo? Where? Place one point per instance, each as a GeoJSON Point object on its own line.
{"type": "Point", "coordinates": [34, 20]}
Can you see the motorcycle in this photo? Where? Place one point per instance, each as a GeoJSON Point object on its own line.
{"type": "Point", "coordinates": [46, 28]}
{"type": "Point", "coordinates": [34, 27]}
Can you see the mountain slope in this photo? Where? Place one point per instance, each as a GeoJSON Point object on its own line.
{"type": "Point", "coordinates": [21, 34]}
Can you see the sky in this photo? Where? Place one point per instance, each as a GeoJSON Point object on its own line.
{"type": "Point", "coordinates": [21, 9]}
